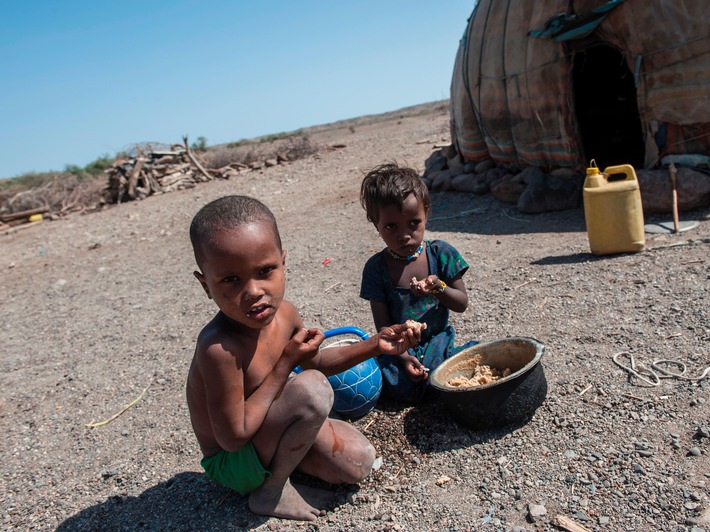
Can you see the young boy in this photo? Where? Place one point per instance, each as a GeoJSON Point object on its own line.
{"type": "Point", "coordinates": [254, 420]}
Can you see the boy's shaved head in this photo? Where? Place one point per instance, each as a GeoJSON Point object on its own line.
{"type": "Point", "coordinates": [225, 213]}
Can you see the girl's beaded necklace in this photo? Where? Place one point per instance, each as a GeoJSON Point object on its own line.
{"type": "Point", "coordinates": [410, 258]}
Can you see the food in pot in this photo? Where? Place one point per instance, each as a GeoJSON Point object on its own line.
{"type": "Point", "coordinates": [482, 374]}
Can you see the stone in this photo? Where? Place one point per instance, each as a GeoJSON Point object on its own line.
{"type": "Point", "coordinates": [436, 162]}
{"type": "Point", "coordinates": [474, 183]}
{"type": "Point", "coordinates": [484, 166]}
{"type": "Point", "coordinates": [549, 193]}
{"type": "Point", "coordinates": [455, 165]}
{"type": "Point", "coordinates": [470, 167]}
{"type": "Point", "coordinates": [507, 189]}
{"type": "Point", "coordinates": [694, 451]}
{"type": "Point", "coordinates": [536, 512]}
{"type": "Point", "coordinates": [441, 181]}
{"type": "Point", "coordinates": [532, 174]}
{"type": "Point", "coordinates": [693, 190]}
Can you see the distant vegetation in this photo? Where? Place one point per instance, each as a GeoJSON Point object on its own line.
{"type": "Point", "coordinates": [34, 179]}
{"type": "Point", "coordinates": [287, 146]}
{"type": "Point", "coordinates": [58, 191]}
{"type": "Point", "coordinates": [78, 188]}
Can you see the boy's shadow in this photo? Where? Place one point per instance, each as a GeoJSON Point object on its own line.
{"type": "Point", "coordinates": [430, 429]}
{"type": "Point", "coordinates": [187, 501]}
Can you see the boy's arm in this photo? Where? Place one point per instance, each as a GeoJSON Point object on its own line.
{"type": "Point", "coordinates": [391, 340]}
{"type": "Point", "coordinates": [233, 418]}
{"type": "Point", "coordinates": [233, 426]}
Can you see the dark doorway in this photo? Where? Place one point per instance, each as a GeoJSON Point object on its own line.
{"type": "Point", "coordinates": [606, 107]}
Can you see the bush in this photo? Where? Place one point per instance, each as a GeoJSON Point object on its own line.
{"type": "Point", "coordinates": [291, 148]}
{"type": "Point", "coordinates": [58, 192]}
{"type": "Point", "coordinates": [200, 144]}
{"type": "Point", "coordinates": [99, 166]}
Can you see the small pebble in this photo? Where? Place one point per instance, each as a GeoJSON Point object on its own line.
{"type": "Point", "coordinates": [536, 511]}
{"type": "Point", "coordinates": [695, 451]}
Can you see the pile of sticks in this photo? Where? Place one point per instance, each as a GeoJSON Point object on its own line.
{"type": "Point", "coordinates": [154, 172]}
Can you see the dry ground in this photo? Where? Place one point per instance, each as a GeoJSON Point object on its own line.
{"type": "Point", "coordinates": [99, 308]}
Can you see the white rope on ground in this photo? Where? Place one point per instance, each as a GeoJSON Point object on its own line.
{"type": "Point", "coordinates": [656, 373]}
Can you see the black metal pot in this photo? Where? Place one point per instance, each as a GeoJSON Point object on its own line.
{"type": "Point", "coordinates": [500, 402]}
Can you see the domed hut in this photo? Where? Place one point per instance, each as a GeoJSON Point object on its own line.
{"type": "Point", "coordinates": [553, 83]}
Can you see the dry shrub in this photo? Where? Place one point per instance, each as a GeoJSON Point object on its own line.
{"type": "Point", "coordinates": [290, 149]}
{"type": "Point", "coordinates": [299, 148]}
{"type": "Point", "coordinates": [222, 156]}
{"type": "Point", "coordinates": [63, 193]}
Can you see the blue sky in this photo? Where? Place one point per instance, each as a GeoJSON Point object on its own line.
{"type": "Point", "coordinates": [80, 79]}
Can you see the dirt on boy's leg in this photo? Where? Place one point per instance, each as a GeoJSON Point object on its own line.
{"type": "Point", "coordinates": [302, 408]}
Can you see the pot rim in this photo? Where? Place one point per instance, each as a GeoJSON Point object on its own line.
{"type": "Point", "coordinates": [539, 351]}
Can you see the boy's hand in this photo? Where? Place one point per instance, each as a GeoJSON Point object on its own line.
{"type": "Point", "coordinates": [303, 345]}
{"type": "Point", "coordinates": [426, 286]}
{"type": "Point", "coordinates": [396, 339]}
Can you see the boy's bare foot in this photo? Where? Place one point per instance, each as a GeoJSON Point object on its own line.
{"type": "Point", "coordinates": [286, 503]}
{"type": "Point", "coordinates": [317, 497]}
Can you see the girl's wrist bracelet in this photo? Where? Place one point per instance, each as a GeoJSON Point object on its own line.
{"type": "Point", "coordinates": [439, 290]}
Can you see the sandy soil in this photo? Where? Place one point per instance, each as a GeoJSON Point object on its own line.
{"type": "Point", "coordinates": [102, 309]}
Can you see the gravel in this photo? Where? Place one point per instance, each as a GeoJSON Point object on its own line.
{"type": "Point", "coordinates": [101, 310]}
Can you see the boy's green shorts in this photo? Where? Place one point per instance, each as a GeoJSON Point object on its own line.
{"type": "Point", "coordinates": [241, 470]}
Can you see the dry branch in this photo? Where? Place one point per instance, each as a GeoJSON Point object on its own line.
{"type": "Point", "coordinates": [22, 215]}
{"type": "Point", "coordinates": [195, 161]}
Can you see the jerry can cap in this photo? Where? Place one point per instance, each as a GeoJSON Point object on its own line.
{"type": "Point", "coordinates": [592, 169]}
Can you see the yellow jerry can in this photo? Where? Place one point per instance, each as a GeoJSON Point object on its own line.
{"type": "Point", "coordinates": [613, 210]}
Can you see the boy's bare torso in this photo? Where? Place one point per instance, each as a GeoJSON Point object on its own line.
{"type": "Point", "coordinates": [256, 355]}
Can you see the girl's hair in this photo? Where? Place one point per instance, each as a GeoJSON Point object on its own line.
{"type": "Point", "coordinates": [226, 213]}
{"type": "Point", "coordinates": [390, 184]}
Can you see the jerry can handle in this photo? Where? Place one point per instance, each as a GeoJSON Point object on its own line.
{"type": "Point", "coordinates": [625, 169]}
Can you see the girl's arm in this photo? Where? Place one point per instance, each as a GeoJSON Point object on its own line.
{"type": "Point", "coordinates": [381, 314]}
{"type": "Point", "coordinates": [453, 296]}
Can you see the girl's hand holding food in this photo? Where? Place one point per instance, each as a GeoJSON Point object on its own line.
{"type": "Point", "coordinates": [414, 369]}
{"type": "Point", "coordinates": [429, 285]}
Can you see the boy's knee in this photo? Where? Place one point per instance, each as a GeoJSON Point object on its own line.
{"type": "Point", "coordinates": [313, 391]}
{"type": "Point", "coordinates": [361, 460]}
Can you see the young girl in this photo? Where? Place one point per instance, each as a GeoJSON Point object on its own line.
{"type": "Point", "coordinates": [411, 279]}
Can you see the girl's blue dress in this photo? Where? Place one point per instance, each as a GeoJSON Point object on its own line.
{"type": "Point", "coordinates": [437, 343]}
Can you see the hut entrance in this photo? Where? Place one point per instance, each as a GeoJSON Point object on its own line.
{"type": "Point", "coordinates": [606, 107]}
